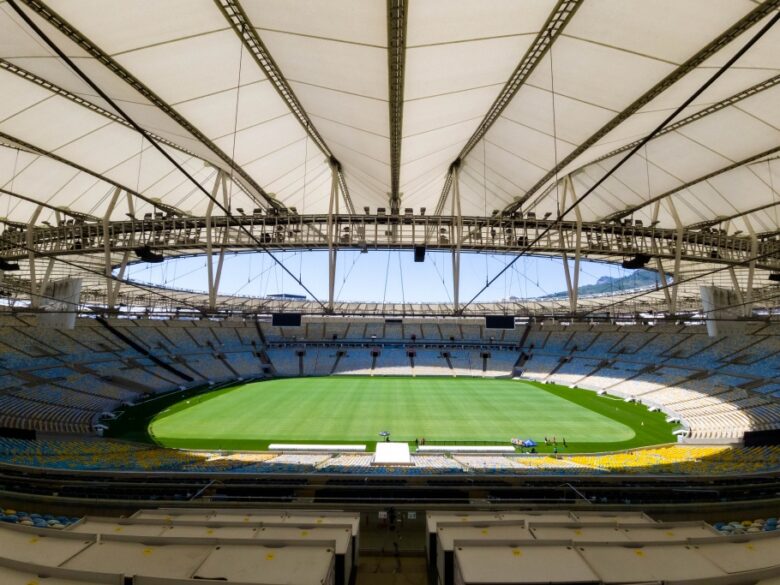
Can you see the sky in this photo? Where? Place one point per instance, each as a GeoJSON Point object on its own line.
{"type": "Point", "coordinates": [375, 276]}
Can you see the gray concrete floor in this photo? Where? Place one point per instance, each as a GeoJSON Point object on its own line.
{"type": "Point", "coordinates": [389, 570]}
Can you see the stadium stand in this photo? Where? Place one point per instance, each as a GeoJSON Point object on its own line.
{"type": "Point", "coordinates": [164, 166]}
{"type": "Point", "coordinates": [256, 545]}
{"type": "Point", "coordinates": [53, 380]}
{"type": "Point", "coordinates": [430, 363]}
{"type": "Point", "coordinates": [519, 547]}
{"type": "Point", "coordinates": [746, 526]}
{"type": "Point", "coordinates": [11, 516]}
{"type": "Point", "coordinates": [253, 559]}
{"type": "Point", "coordinates": [112, 455]}
{"type": "Point", "coordinates": [356, 361]}
{"type": "Point", "coordinates": [626, 364]}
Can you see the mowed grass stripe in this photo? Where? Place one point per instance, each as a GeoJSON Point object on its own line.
{"type": "Point", "coordinates": [354, 409]}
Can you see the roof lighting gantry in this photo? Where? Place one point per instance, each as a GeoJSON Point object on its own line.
{"type": "Point", "coordinates": [361, 232]}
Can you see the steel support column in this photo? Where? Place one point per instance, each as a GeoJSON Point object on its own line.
{"type": "Point", "coordinates": [130, 204]}
{"type": "Point", "coordinates": [572, 284]}
{"type": "Point", "coordinates": [748, 306]}
{"type": "Point", "coordinates": [737, 288]}
{"type": "Point", "coordinates": [107, 245]}
{"type": "Point", "coordinates": [114, 287]}
{"type": "Point", "coordinates": [664, 282]}
{"type": "Point", "coordinates": [659, 264]}
{"type": "Point", "coordinates": [47, 274]}
{"type": "Point", "coordinates": [34, 299]}
{"type": "Point", "coordinates": [213, 280]}
{"type": "Point", "coordinates": [678, 245]}
{"type": "Point", "coordinates": [332, 235]}
{"type": "Point", "coordinates": [458, 238]}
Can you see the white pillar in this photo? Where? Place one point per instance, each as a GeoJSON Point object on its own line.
{"type": "Point", "coordinates": [748, 307]}
{"type": "Point", "coordinates": [458, 236]}
{"type": "Point", "coordinates": [47, 275]}
{"type": "Point", "coordinates": [116, 284]}
{"type": "Point", "coordinates": [677, 254]}
{"type": "Point", "coordinates": [333, 209]}
{"type": "Point", "coordinates": [34, 298]}
{"type": "Point", "coordinates": [737, 289]}
{"type": "Point", "coordinates": [130, 204]}
{"type": "Point", "coordinates": [107, 247]}
{"type": "Point", "coordinates": [664, 282]}
{"type": "Point", "coordinates": [212, 281]}
{"type": "Point", "coordinates": [658, 262]}
{"type": "Point", "coordinates": [573, 284]}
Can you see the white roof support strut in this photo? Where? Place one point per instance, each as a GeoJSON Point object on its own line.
{"type": "Point", "coordinates": [458, 239]}
{"type": "Point", "coordinates": [333, 209]}
{"type": "Point", "coordinates": [751, 267]}
{"type": "Point", "coordinates": [737, 288]}
{"type": "Point", "coordinates": [573, 285]}
{"type": "Point", "coordinates": [34, 298]}
{"type": "Point", "coordinates": [219, 181]}
{"type": "Point", "coordinates": [678, 246]}
{"type": "Point", "coordinates": [659, 263]}
{"type": "Point", "coordinates": [113, 290]}
{"type": "Point", "coordinates": [107, 245]}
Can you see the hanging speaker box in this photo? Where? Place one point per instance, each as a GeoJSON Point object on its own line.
{"type": "Point", "coordinates": [286, 319]}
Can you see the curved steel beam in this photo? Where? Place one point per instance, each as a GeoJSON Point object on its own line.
{"type": "Point", "coordinates": [241, 24]}
{"type": "Point", "coordinates": [77, 70]}
{"type": "Point", "coordinates": [63, 210]}
{"type": "Point", "coordinates": [77, 99]}
{"type": "Point", "coordinates": [721, 41]}
{"type": "Point", "coordinates": [561, 15]}
{"type": "Point", "coordinates": [45, 153]}
{"type": "Point", "coordinates": [711, 109]}
{"type": "Point", "coordinates": [397, 11]}
{"type": "Point", "coordinates": [241, 176]}
{"type": "Point", "coordinates": [724, 218]}
{"type": "Point", "coordinates": [634, 208]}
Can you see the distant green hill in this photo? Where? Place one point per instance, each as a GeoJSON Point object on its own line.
{"type": "Point", "coordinates": [608, 284]}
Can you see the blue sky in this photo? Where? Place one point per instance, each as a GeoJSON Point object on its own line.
{"type": "Point", "coordinates": [376, 276]}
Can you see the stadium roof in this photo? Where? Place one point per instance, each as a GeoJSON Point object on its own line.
{"type": "Point", "coordinates": [530, 102]}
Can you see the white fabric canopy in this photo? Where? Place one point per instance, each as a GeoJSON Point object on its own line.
{"type": "Point", "coordinates": [269, 103]}
{"type": "Point", "coordinates": [214, 104]}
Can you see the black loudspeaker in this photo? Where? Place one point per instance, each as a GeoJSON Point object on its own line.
{"type": "Point", "coordinates": [12, 433]}
{"type": "Point", "coordinates": [286, 319]}
{"type": "Point", "coordinates": [638, 261]}
{"type": "Point", "coordinates": [499, 321]}
{"type": "Point", "coordinates": [762, 438]}
{"type": "Point", "coordinates": [7, 266]}
{"type": "Point", "coordinates": [146, 254]}
{"type": "Point", "coordinates": [419, 253]}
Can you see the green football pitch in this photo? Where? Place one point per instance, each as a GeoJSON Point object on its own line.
{"type": "Point", "coordinates": [351, 409]}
